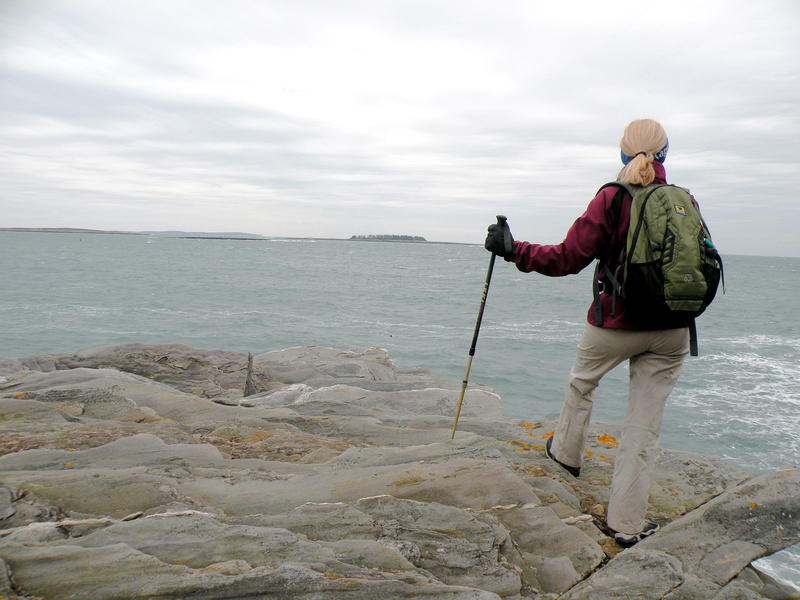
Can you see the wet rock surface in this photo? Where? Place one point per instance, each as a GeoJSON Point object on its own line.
{"type": "Point", "coordinates": [146, 472]}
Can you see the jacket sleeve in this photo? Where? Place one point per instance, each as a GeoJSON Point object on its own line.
{"type": "Point", "coordinates": [589, 237]}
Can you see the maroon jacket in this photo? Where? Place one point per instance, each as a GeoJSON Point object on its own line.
{"type": "Point", "coordinates": [594, 234]}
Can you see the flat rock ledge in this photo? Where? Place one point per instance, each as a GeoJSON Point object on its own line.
{"type": "Point", "coordinates": [169, 472]}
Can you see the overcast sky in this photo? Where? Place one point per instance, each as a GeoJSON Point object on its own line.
{"type": "Point", "coordinates": [331, 118]}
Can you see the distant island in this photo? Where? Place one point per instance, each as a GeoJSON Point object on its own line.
{"type": "Point", "coordinates": [388, 238]}
{"type": "Point", "coordinates": [177, 234]}
{"type": "Point", "coordinates": [227, 235]}
{"type": "Point", "coordinates": [63, 230]}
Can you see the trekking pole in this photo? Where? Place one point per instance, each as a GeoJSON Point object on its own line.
{"type": "Point", "coordinates": [501, 220]}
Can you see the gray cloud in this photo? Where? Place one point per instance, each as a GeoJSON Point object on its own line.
{"type": "Point", "coordinates": [426, 118]}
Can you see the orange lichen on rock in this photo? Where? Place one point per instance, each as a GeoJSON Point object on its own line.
{"type": "Point", "coordinates": [608, 440]}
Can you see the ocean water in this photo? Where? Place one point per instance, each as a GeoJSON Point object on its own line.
{"type": "Point", "coordinates": [740, 399]}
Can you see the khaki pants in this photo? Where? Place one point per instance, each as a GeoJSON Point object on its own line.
{"type": "Point", "coordinates": [655, 359]}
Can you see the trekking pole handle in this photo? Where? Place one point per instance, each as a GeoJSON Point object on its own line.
{"type": "Point", "coordinates": [508, 242]}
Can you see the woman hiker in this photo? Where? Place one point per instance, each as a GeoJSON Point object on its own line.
{"type": "Point", "coordinates": [655, 355]}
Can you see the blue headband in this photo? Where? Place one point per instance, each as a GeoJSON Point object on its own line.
{"type": "Point", "coordinates": [659, 156]}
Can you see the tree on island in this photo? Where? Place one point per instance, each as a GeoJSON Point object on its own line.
{"type": "Point", "coordinates": [390, 238]}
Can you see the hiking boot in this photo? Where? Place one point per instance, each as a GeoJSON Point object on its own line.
{"type": "Point", "coordinates": [628, 540]}
{"type": "Point", "coordinates": [574, 471]}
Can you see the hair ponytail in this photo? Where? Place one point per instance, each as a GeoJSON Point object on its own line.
{"type": "Point", "coordinates": [638, 171]}
{"type": "Point", "coordinates": [642, 142]}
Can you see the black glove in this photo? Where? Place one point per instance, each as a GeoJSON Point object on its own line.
{"type": "Point", "coordinates": [500, 242]}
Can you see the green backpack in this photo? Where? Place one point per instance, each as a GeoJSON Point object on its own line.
{"type": "Point", "coordinates": [670, 267]}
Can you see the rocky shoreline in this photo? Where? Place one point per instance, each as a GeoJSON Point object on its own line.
{"type": "Point", "coordinates": [169, 472]}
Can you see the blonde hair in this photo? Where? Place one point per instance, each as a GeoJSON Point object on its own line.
{"type": "Point", "coordinates": [641, 140]}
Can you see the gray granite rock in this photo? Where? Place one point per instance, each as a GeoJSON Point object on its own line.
{"type": "Point", "coordinates": [141, 472]}
{"type": "Point", "coordinates": [295, 365]}
{"type": "Point", "coordinates": [709, 548]}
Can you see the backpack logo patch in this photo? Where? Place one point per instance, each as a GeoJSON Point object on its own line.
{"type": "Point", "coordinates": [681, 210]}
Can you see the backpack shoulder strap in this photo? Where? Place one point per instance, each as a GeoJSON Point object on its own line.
{"type": "Point", "coordinates": [692, 338]}
{"type": "Point", "coordinates": [616, 209]}
{"type": "Point", "coordinates": [616, 203]}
